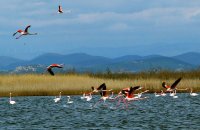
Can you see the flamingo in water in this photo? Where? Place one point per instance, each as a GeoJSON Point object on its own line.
{"type": "Point", "coordinates": [11, 101]}
{"type": "Point", "coordinates": [24, 32]}
{"type": "Point", "coordinates": [57, 99]}
{"type": "Point", "coordinates": [68, 101]}
{"type": "Point", "coordinates": [160, 94]}
{"type": "Point", "coordinates": [49, 68]}
{"type": "Point", "coordinates": [193, 94]}
{"type": "Point", "coordinates": [88, 97]}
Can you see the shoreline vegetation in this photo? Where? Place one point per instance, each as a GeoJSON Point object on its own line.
{"type": "Point", "coordinates": [77, 84]}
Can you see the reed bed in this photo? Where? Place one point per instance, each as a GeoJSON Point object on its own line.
{"type": "Point", "coordinates": [76, 84]}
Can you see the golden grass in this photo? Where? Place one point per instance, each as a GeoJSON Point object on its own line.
{"type": "Point", "coordinates": [43, 85]}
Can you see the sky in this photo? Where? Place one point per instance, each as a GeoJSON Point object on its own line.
{"type": "Point", "coordinates": [100, 27]}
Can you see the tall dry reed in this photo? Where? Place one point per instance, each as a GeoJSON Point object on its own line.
{"type": "Point", "coordinates": [73, 84]}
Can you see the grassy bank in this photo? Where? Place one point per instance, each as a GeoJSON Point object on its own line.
{"type": "Point", "coordinates": [73, 84]}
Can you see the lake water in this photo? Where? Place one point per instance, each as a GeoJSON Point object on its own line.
{"type": "Point", "coordinates": [152, 113]}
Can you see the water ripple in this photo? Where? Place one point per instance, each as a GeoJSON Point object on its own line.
{"type": "Point", "coordinates": [152, 113]}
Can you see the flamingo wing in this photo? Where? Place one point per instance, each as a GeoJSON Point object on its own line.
{"type": "Point", "coordinates": [175, 83]}
{"type": "Point", "coordinates": [60, 9]}
{"type": "Point", "coordinates": [163, 85]}
{"type": "Point", "coordinates": [132, 89]}
{"type": "Point", "coordinates": [56, 65]}
{"type": "Point", "coordinates": [102, 87]}
{"type": "Point", "coordinates": [50, 71]}
{"type": "Point", "coordinates": [26, 29]}
{"type": "Point", "coordinates": [136, 87]}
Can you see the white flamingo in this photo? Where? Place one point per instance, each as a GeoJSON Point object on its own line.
{"type": "Point", "coordinates": [11, 101]}
{"type": "Point", "coordinates": [68, 101]}
{"type": "Point", "coordinates": [156, 95]}
{"type": "Point", "coordinates": [83, 97]}
{"type": "Point", "coordinates": [174, 94]}
{"type": "Point", "coordinates": [57, 99]}
{"type": "Point", "coordinates": [24, 32]}
{"type": "Point", "coordinates": [112, 96]}
{"type": "Point", "coordinates": [193, 94]}
{"type": "Point", "coordinates": [139, 95]}
{"type": "Point", "coordinates": [162, 93]}
{"type": "Point", "coordinates": [88, 98]}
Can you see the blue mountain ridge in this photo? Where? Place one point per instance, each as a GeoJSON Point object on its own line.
{"type": "Point", "coordinates": [82, 62]}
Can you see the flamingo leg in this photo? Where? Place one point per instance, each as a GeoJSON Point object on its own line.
{"type": "Point", "coordinates": [125, 102]}
{"type": "Point", "coordinates": [97, 102]}
{"type": "Point", "coordinates": [19, 37]}
{"type": "Point", "coordinates": [32, 34]}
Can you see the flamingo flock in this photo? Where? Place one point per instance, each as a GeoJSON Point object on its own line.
{"type": "Point", "coordinates": [125, 95]}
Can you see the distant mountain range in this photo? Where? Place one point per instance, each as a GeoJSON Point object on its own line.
{"type": "Point", "coordinates": [82, 62]}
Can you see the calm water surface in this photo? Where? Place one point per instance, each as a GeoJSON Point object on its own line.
{"type": "Point", "coordinates": [151, 113]}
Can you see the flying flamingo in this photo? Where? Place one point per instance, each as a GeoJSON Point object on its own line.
{"type": "Point", "coordinates": [193, 94]}
{"type": "Point", "coordinates": [11, 101]}
{"type": "Point", "coordinates": [103, 92]}
{"type": "Point", "coordinates": [24, 32]}
{"type": "Point", "coordinates": [49, 68]}
{"type": "Point", "coordinates": [129, 92]}
{"type": "Point", "coordinates": [57, 99]}
{"type": "Point", "coordinates": [172, 87]}
{"type": "Point", "coordinates": [60, 11]}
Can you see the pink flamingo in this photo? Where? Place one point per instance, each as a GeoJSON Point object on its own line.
{"type": "Point", "coordinates": [25, 32]}
{"type": "Point", "coordinates": [49, 68]}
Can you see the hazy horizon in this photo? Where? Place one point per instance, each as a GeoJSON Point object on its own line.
{"type": "Point", "coordinates": [91, 55]}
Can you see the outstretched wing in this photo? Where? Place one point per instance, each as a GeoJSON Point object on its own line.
{"type": "Point", "coordinates": [56, 65]}
{"type": "Point", "coordinates": [163, 85]}
{"type": "Point", "coordinates": [60, 9]}
{"type": "Point", "coordinates": [102, 87]}
{"type": "Point", "coordinates": [175, 83]}
{"type": "Point", "coordinates": [26, 29]}
{"type": "Point", "coordinates": [132, 89]}
{"type": "Point", "coordinates": [50, 71]}
{"type": "Point", "coordinates": [137, 87]}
